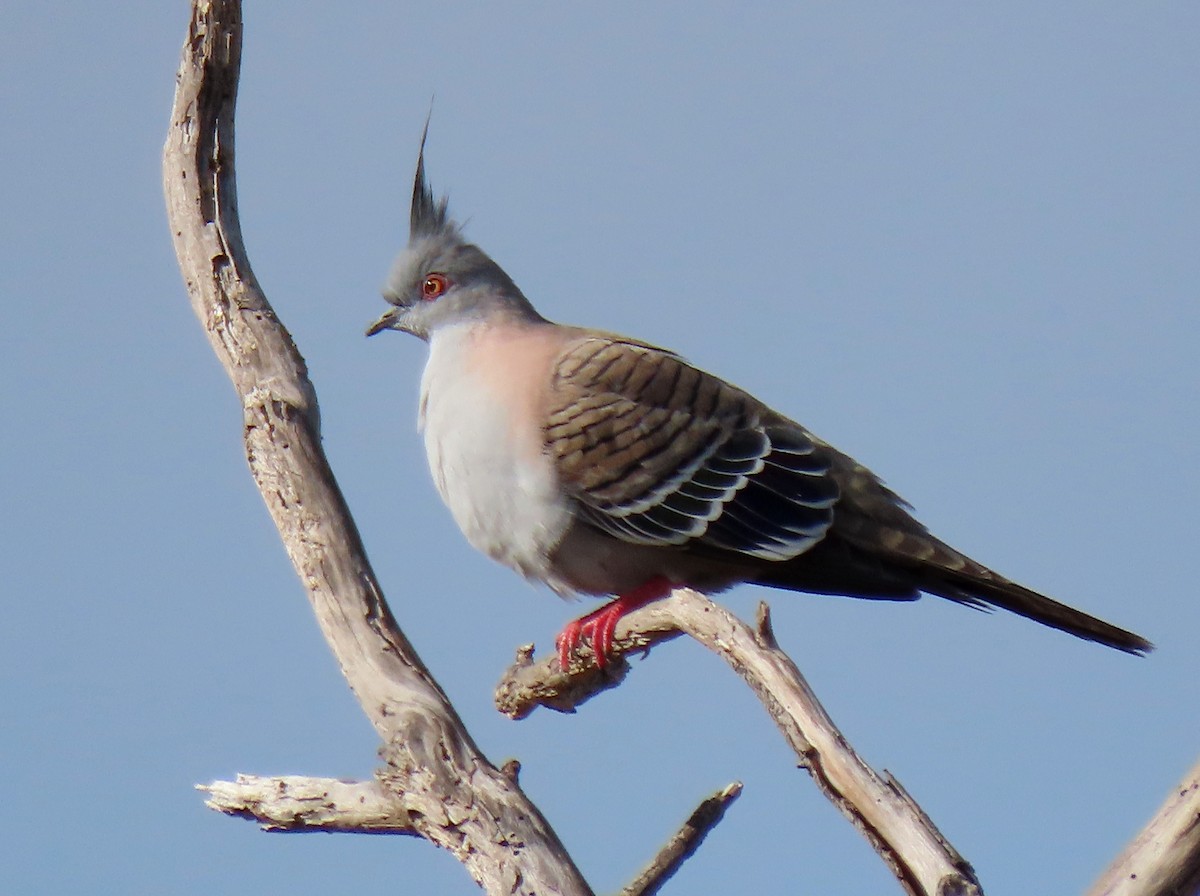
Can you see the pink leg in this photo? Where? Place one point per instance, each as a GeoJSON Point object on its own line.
{"type": "Point", "coordinates": [599, 625]}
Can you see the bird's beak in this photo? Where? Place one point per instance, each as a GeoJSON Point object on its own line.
{"type": "Point", "coordinates": [387, 321]}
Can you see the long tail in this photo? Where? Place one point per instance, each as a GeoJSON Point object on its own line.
{"type": "Point", "coordinates": [900, 568]}
{"type": "Point", "coordinates": [991, 588]}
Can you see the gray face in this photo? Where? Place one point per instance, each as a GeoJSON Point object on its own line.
{"type": "Point", "coordinates": [440, 279]}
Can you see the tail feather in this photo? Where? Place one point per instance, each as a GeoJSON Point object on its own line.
{"type": "Point", "coordinates": [998, 591]}
{"type": "Point", "coordinates": [902, 565]}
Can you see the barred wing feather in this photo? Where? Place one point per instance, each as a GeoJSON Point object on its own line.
{"type": "Point", "coordinates": [656, 452]}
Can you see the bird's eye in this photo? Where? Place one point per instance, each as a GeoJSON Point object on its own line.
{"type": "Point", "coordinates": [434, 286]}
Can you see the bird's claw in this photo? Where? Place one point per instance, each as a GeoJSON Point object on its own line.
{"type": "Point", "coordinates": [597, 628]}
{"type": "Point", "coordinates": [600, 625]}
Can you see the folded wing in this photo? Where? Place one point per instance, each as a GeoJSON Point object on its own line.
{"type": "Point", "coordinates": [656, 452]}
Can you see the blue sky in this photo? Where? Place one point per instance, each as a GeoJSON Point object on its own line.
{"type": "Point", "coordinates": [958, 242]}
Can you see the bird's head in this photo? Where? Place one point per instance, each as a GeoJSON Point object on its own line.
{"type": "Point", "coordinates": [440, 279]}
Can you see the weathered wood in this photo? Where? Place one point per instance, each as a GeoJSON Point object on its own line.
{"type": "Point", "coordinates": [914, 849]}
{"type": "Point", "coordinates": [435, 782]}
{"type": "Point", "coordinates": [294, 804]}
{"type": "Point", "coordinates": [685, 842]}
{"type": "Point", "coordinates": [444, 788]}
{"type": "Point", "coordinates": [1164, 858]}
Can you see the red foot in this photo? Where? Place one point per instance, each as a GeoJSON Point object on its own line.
{"type": "Point", "coordinates": [599, 625]}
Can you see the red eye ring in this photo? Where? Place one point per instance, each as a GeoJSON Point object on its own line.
{"type": "Point", "coordinates": [433, 286]}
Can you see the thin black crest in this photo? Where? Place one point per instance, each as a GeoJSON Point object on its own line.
{"type": "Point", "coordinates": [428, 215]}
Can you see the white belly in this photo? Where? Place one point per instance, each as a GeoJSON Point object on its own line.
{"type": "Point", "coordinates": [486, 458]}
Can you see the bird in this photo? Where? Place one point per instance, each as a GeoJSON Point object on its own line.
{"type": "Point", "coordinates": [603, 465]}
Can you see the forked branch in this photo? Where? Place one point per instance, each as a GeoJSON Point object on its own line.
{"type": "Point", "coordinates": [921, 858]}
{"type": "Point", "coordinates": [435, 782]}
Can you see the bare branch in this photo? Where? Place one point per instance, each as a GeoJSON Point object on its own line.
{"type": "Point", "coordinates": [1164, 859]}
{"type": "Point", "coordinates": [436, 783]}
{"type": "Point", "coordinates": [526, 685]}
{"type": "Point", "coordinates": [685, 842]}
{"type": "Point", "coordinates": [446, 788]}
{"type": "Point", "coordinates": [291, 804]}
{"type": "Point", "coordinates": [903, 835]}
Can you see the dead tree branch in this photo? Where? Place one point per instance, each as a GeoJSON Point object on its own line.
{"type": "Point", "coordinates": [435, 782]}
{"type": "Point", "coordinates": [438, 783]}
{"type": "Point", "coordinates": [296, 804]}
{"type": "Point", "coordinates": [1164, 859]}
{"type": "Point", "coordinates": [685, 842]}
{"type": "Point", "coordinates": [921, 858]}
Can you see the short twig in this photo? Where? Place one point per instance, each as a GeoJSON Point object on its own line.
{"type": "Point", "coordinates": [294, 804]}
{"type": "Point", "coordinates": [685, 842]}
